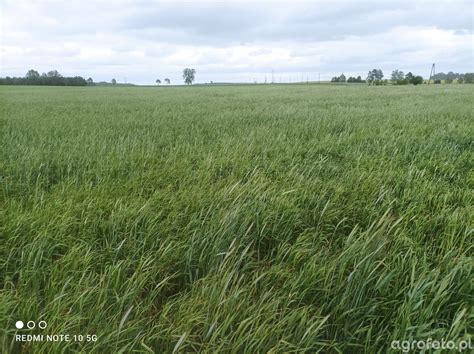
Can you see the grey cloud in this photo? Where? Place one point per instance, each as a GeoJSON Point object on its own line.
{"type": "Point", "coordinates": [232, 40]}
{"type": "Point", "coordinates": [217, 23]}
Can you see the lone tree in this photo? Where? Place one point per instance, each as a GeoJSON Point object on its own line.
{"type": "Point", "coordinates": [90, 81]}
{"type": "Point", "coordinates": [375, 76]}
{"type": "Point", "coordinates": [114, 82]}
{"type": "Point", "coordinates": [167, 81]}
{"type": "Point", "coordinates": [158, 81]}
{"type": "Point", "coordinates": [397, 75]}
{"type": "Point", "coordinates": [188, 76]}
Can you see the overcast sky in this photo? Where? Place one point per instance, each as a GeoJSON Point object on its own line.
{"type": "Point", "coordinates": [143, 40]}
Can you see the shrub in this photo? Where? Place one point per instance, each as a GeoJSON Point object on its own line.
{"type": "Point", "coordinates": [417, 80]}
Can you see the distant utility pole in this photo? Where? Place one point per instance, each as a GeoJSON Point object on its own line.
{"type": "Point", "coordinates": [319, 78]}
{"type": "Point", "coordinates": [432, 73]}
{"type": "Point", "coordinates": [273, 77]}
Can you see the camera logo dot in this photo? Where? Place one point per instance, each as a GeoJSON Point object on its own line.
{"type": "Point", "coordinates": [31, 324]}
{"type": "Point", "coordinates": [42, 324]}
{"type": "Point", "coordinates": [19, 324]}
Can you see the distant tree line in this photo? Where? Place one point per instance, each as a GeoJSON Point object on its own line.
{"type": "Point", "coordinates": [342, 78]}
{"type": "Point", "coordinates": [52, 78]}
{"type": "Point", "coordinates": [398, 77]}
{"type": "Point", "coordinates": [357, 79]}
{"type": "Point", "coordinates": [374, 77]}
{"type": "Point", "coordinates": [450, 77]}
{"type": "Point", "coordinates": [469, 78]}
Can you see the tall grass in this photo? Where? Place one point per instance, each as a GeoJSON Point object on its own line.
{"type": "Point", "coordinates": [236, 219]}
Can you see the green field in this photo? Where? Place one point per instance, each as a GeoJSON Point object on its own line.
{"type": "Point", "coordinates": [282, 218]}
